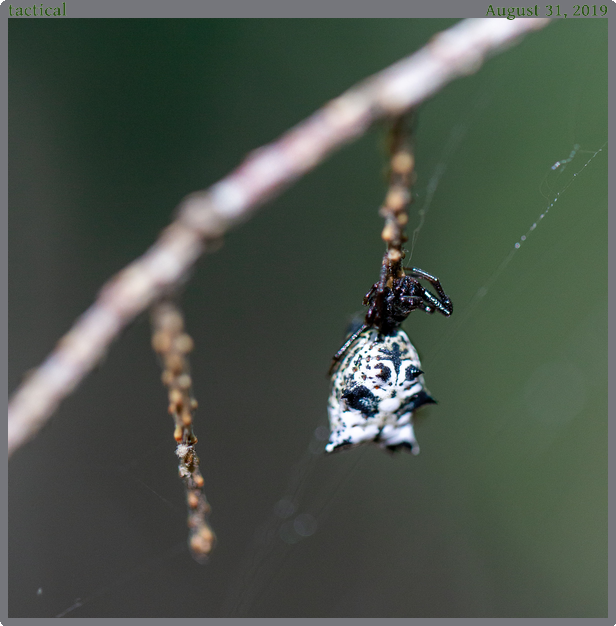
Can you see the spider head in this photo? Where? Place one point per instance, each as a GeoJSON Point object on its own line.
{"type": "Point", "coordinates": [389, 306]}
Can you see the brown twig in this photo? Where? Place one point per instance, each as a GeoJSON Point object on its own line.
{"type": "Point", "coordinates": [397, 200]}
{"type": "Point", "coordinates": [205, 216]}
{"type": "Point", "coordinates": [173, 345]}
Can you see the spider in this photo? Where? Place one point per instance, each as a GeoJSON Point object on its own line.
{"type": "Point", "coordinates": [390, 306]}
{"type": "Point", "coordinates": [378, 384]}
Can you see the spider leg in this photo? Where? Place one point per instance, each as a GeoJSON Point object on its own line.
{"type": "Point", "coordinates": [442, 303]}
{"type": "Point", "coordinates": [417, 302]}
{"type": "Point", "coordinates": [371, 293]}
{"type": "Point", "coordinates": [443, 306]}
{"type": "Point", "coordinates": [347, 344]}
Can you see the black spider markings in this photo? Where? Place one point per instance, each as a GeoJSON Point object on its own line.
{"type": "Point", "coordinates": [362, 399]}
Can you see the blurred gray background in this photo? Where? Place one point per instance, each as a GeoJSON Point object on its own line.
{"type": "Point", "coordinates": [504, 512]}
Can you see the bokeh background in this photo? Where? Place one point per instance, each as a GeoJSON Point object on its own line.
{"type": "Point", "coordinates": [504, 512]}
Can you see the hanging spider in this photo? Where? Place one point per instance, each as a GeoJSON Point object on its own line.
{"type": "Point", "coordinates": [377, 382]}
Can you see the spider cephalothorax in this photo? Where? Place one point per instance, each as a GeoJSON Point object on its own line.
{"type": "Point", "coordinates": [391, 305]}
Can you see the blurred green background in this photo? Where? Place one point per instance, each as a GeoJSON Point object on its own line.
{"type": "Point", "coordinates": [504, 512]}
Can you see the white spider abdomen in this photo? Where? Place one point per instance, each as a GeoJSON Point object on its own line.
{"type": "Point", "coordinates": [375, 389]}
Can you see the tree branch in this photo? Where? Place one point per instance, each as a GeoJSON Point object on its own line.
{"type": "Point", "coordinates": [173, 345]}
{"type": "Point", "coordinates": [203, 217]}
